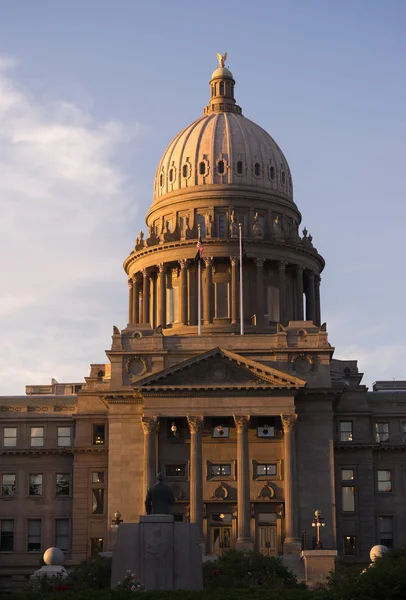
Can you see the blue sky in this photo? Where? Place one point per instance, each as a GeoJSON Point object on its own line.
{"type": "Point", "coordinates": [92, 92]}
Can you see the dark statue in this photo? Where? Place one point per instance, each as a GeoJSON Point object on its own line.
{"type": "Point", "coordinates": [160, 498]}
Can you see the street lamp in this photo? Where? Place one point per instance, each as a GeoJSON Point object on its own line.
{"type": "Point", "coordinates": [318, 522]}
{"type": "Point", "coordinates": [116, 522]}
{"type": "Point", "coordinates": [174, 429]}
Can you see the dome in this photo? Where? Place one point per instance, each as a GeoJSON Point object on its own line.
{"type": "Point", "coordinates": [223, 148]}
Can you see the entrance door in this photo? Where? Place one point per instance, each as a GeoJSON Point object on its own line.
{"type": "Point", "coordinates": [220, 539]}
{"type": "Point", "coordinates": [267, 539]}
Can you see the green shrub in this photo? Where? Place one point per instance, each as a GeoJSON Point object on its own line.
{"type": "Point", "coordinates": [93, 573]}
{"type": "Point", "coordinates": [213, 594]}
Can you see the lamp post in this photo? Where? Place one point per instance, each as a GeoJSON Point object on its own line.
{"type": "Point", "coordinates": [116, 522]}
{"type": "Point", "coordinates": [318, 522]}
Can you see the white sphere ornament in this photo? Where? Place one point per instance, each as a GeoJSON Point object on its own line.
{"type": "Point", "coordinates": [54, 557]}
{"type": "Point", "coordinates": [377, 551]}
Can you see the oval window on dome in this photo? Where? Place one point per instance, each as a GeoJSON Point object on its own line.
{"type": "Point", "coordinates": [171, 175]}
{"type": "Point", "coordinates": [202, 168]}
{"type": "Point", "coordinates": [272, 172]}
{"type": "Point", "coordinates": [283, 177]}
{"type": "Point", "coordinates": [239, 167]}
{"type": "Point", "coordinates": [184, 171]}
{"type": "Point", "coordinates": [257, 169]}
{"type": "Point", "coordinates": [220, 167]}
{"type": "Point", "coordinates": [161, 179]}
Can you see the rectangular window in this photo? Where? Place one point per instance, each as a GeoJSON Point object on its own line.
{"type": "Point", "coordinates": [64, 436]}
{"type": "Point", "coordinates": [6, 535]}
{"type": "Point", "coordinates": [62, 534]}
{"type": "Point", "coordinates": [220, 431]}
{"type": "Point", "coordinates": [265, 430]}
{"type": "Point", "coordinates": [348, 498]}
{"type": "Point", "coordinates": [350, 545]}
{"type": "Point", "coordinates": [220, 470]}
{"type": "Point", "coordinates": [37, 436]}
{"type": "Point", "coordinates": [10, 437]}
{"type": "Point", "coordinates": [222, 518]}
{"type": "Point", "coordinates": [384, 478]}
{"type": "Point", "coordinates": [98, 436]}
{"type": "Point", "coordinates": [404, 431]}
{"type": "Point", "coordinates": [382, 432]}
{"type": "Point", "coordinates": [386, 531]}
{"type": "Point", "coordinates": [98, 477]}
{"type": "Point", "coordinates": [35, 488]}
{"type": "Point", "coordinates": [346, 431]}
{"type": "Point", "coordinates": [266, 469]}
{"type": "Point", "coordinates": [97, 501]}
{"type": "Point", "coordinates": [62, 485]}
{"type": "Point", "coordinates": [347, 475]}
{"type": "Point", "coordinates": [222, 305]}
{"type": "Point", "coordinates": [34, 535]}
{"type": "Point", "coordinates": [175, 470]}
{"type": "Point", "coordinates": [222, 225]}
{"type": "Point", "coordinates": [272, 303]}
{"type": "Point", "coordinates": [96, 546]}
{"type": "Point", "coordinates": [8, 484]}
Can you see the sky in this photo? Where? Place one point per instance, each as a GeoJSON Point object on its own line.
{"type": "Point", "coordinates": [91, 93]}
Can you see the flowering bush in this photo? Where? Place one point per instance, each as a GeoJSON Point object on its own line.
{"type": "Point", "coordinates": [130, 583]}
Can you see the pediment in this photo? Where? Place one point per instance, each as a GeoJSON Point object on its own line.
{"type": "Point", "coordinates": [219, 368]}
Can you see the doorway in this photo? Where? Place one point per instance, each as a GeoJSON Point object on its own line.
{"type": "Point", "coordinates": [267, 540]}
{"type": "Point", "coordinates": [220, 533]}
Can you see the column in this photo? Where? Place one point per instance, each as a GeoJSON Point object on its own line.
{"type": "Point", "coordinates": [299, 294]}
{"type": "Point", "coordinates": [292, 544]}
{"type": "Point", "coordinates": [244, 541]}
{"type": "Point", "coordinates": [183, 296]}
{"type": "Point", "coordinates": [283, 312]}
{"type": "Point", "coordinates": [162, 295]}
{"type": "Point", "coordinates": [149, 428]}
{"type": "Point", "coordinates": [141, 305]}
{"type": "Point", "coordinates": [130, 301]}
{"type": "Point", "coordinates": [145, 295]}
{"type": "Point", "coordinates": [208, 292]}
{"type": "Point", "coordinates": [317, 281]}
{"type": "Point", "coordinates": [196, 472]}
{"type": "Point", "coordinates": [260, 292]}
{"type": "Point", "coordinates": [310, 298]}
{"type": "Point", "coordinates": [234, 289]}
{"type": "Point", "coordinates": [136, 299]}
{"type": "Point", "coordinates": [154, 281]}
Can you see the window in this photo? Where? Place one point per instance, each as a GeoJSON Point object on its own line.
{"type": "Point", "coordinates": [37, 436]}
{"type": "Point", "coordinates": [62, 534]}
{"type": "Point", "coordinates": [34, 535]}
{"type": "Point", "coordinates": [348, 490]}
{"type": "Point", "coordinates": [386, 531]}
{"type": "Point", "coordinates": [35, 488]}
{"type": "Point", "coordinates": [175, 470]}
{"type": "Point", "coordinates": [265, 430]}
{"type": "Point", "coordinates": [6, 535]}
{"type": "Point", "coordinates": [220, 167]}
{"type": "Point", "coordinates": [98, 437]}
{"type": "Point", "coordinates": [202, 168]}
{"type": "Point", "coordinates": [184, 171]}
{"type": "Point", "coordinates": [220, 430]}
{"type": "Point", "coordinates": [283, 177]}
{"type": "Point", "coordinates": [350, 545]}
{"type": "Point", "coordinates": [222, 518]}
{"type": "Point", "coordinates": [96, 546]}
{"type": "Point", "coordinates": [97, 501]}
{"type": "Point", "coordinates": [382, 432]}
{"type": "Point", "coordinates": [257, 169]}
{"type": "Point", "coordinates": [98, 477]}
{"type": "Point", "coordinates": [272, 172]}
{"type": "Point", "coordinates": [222, 225]}
{"type": "Point", "coordinates": [171, 175]}
{"type": "Point", "coordinates": [221, 88]}
{"type": "Point", "coordinates": [346, 431]}
{"type": "Point", "coordinates": [266, 469]}
{"type": "Point", "coordinates": [8, 484]}
{"type": "Point", "coordinates": [404, 431]}
{"type": "Point", "coordinates": [220, 470]}
{"type": "Point", "coordinates": [239, 167]}
{"type": "Point", "coordinates": [10, 437]}
{"type": "Point", "coordinates": [62, 485]}
{"type": "Point", "coordinates": [347, 475]}
{"type": "Point", "coordinates": [161, 179]}
{"type": "Point", "coordinates": [384, 479]}
{"type": "Point", "coordinates": [222, 309]}
{"type": "Point", "coordinates": [64, 436]}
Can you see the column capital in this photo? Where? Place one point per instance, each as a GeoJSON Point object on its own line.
{"type": "Point", "coordinates": [209, 261]}
{"type": "Point", "coordinates": [149, 424]}
{"type": "Point", "coordinates": [310, 274]}
{"type": "Point", "coordinates": [234, 260]}
{"type": "Point", "coordinates": [130, 282]}
{"type": "Point", "coordinates": [317, 279]}
{"type": "Point", "coordinates": [288, 422]}
{"type": "Point", "coordinates": [183, 263]}
{"type": "Point", "coordinates": [241, 422]}
{"type": "Point", "coordinates": [145, 272]}
{"type": "Point", "coordinates": [195, 423]}
{"type": "Point", "coordinates": [282, 265]}
{"type": "Point", "coordinates": [162, 267]}
{"type": "Point", "coordinates": [299, 269]}
{"type": "Point", "coordinates": [260, 262]}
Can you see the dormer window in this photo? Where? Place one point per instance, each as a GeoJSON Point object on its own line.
{"type": "Point", "coordinates": [283, 177]}
{"type": "Point", "coordinates": [272, 172]}
{"type": "Point", "coordinates": [184, 171]}
{"type": "Point", "coordinates": [171, 175]}
{"type": "Point", "coordinates": [202, 168]}
{"type": "Point", "coordinates": [257, 169]}
{"type": "Point", "coordinates": [239, 167]}
{"type": "Point", "coordinates": [161, 179]}
{"type": "Point", "coordinates": [220, 167]}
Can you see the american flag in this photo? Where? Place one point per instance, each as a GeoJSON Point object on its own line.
{"type": "Point", "coordinates": [200, 249]}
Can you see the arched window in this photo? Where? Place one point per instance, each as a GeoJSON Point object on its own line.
{"type": "Point", "coordinates": [257, 169]}
{"type": "Point", "coordinates": [272, 172]}
{"type": "Point", "coordinates": [202, 168]}
{"type": "Point", "coordinates": [161, 179]}
{"type": "Point", "coordinates": [221, 88]}
{"type": "Point", "coordinates": [212, 91]}
{"type": "Point", "coordinates": [171, 175]}
{"type": "Point", "coordinates": [239, 167]}
{"type": "Point", "coordinates": [220, 167]}
{"type": "Point", "coordinates": [283, 178]}
{"type": "Point", "coordinates": [184, 170]}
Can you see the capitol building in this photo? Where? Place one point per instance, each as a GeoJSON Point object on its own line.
{"type": "Point", "coordinates": [223, 378]}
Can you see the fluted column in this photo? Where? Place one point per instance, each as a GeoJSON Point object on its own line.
{"type": "Point", "coordinates": [260, 298]}
{"type": "Point", "coordinates": [162, 295]}
{"type": "Point", "coordinates": [145, 295]}
{"type": "Point", "coordinates": [299, 294]}
{"type": "Point", "coordinates": [244, 541]}
{"type": "Point", "coordinates": [283, 312]}
{"type": "Point", "coordinates": [183, 300]}
{"type": "Point", "coordinates": [234, 289]}
{"type": "Point", "coordinates": [196, 472]}
{"type": "Point", "coordinates": [154, 281]}
{"type": "Point", "coordinates": [292, 543]}
{"type": "Point", "coordinates": [136, 300]}
{"type": "Point", "coordinates": [310, 298]}
{"type": "Point", "coordinates": [208, 292]}
{"type": "Point", "coordinates": [149, 428]}
{"type": "Point", "coordinates": [317, 281]}
{"type": "Point", "coordinates": [130, 301]}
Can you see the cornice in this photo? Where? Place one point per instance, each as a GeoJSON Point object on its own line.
{"type": "Point", "coordinates": [215, 391]}
{"type": "Point", "coordinates": [371, 446]}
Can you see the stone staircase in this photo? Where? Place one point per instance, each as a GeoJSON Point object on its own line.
{"type": "Point", "coordinates": [295, 564]}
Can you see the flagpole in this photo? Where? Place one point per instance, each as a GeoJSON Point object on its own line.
{"type": "Point", "coordinates": [241, 288]}
{"type": "Point", "coordinates": [199, 294]}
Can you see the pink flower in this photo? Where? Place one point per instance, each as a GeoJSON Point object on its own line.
{"type": "Point", "coordinates": [132, 588]}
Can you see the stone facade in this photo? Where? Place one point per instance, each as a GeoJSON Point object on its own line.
{"type": "Point", "coordinates": [253, 432]}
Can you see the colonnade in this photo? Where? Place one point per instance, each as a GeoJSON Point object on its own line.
{"type": "Point", "coordinates": [305, 284]}
{"type": "Point", "coordinates": [195, 423]}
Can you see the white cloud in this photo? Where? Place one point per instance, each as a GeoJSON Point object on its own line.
{"type": "Point", "coordinates": [65, 207]}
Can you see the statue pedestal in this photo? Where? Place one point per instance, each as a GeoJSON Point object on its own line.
{"type": "Point", "coordinates": [318, 565]}
{"type": "Point", "coordinates": [164, 555]}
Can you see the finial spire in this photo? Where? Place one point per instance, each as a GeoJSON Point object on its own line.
{"type": "Point", "coordinates": [222, 59]}
{"type": "Point", "coordinates": [222, 89]}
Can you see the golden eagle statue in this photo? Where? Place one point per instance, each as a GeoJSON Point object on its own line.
{"type": "Point", "coordinates": [222, 59]}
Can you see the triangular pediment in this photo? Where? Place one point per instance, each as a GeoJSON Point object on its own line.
{"type": "Point", "coordinates": [219, 368]}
